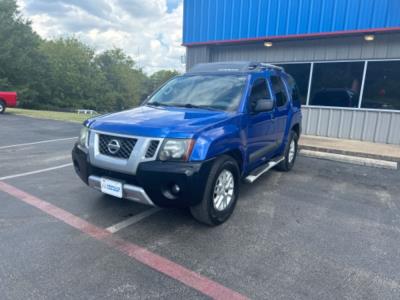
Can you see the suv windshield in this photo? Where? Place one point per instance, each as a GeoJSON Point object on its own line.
{"type": "Point", "coordinates": [222, 92]}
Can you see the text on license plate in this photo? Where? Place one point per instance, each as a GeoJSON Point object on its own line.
{"type": "Point", "coordinates": [111, 187]}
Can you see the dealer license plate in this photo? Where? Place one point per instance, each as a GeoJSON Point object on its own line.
{"type": "Point", "coordinates": [111, 187]}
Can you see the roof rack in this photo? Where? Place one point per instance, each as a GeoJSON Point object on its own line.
{"type": "Point", "coordinates": [270, 66]}
{"type": "Point", "coordinates": [233, 66]}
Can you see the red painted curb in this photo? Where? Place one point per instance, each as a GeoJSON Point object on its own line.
{"type": "Point", "coordinates": [187, 277]}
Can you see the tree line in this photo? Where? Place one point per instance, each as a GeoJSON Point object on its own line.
{"type": "Point", "coordinates": [65, 73]}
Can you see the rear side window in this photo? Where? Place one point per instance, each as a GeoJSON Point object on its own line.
{"type": "Point", "coordinates": [293, 89]}
{"type": "Point", "coordinates": [258, 91]}
{"type": "Point", "coordinates": [278, 87]}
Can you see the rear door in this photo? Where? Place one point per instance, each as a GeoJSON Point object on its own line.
{"type": "Point", "coordinates": [261, 138]}
{"type": "Point", "coordinates": [282, 106]}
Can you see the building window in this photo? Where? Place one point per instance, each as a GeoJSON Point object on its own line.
{"type": "Point", "coordinates": [381, 87]}
{"type": "Point", "coordinates": [300, 73]}
{"type": "Point", "coordinates": [336, 84]}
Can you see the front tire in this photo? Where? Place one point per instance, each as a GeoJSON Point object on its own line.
{"type": "Point", "coordinates": [2, 107]}
{"type": "Point", "coordinates": [221, 193]}
{"type": "Point", "coordinates": [290, 153]}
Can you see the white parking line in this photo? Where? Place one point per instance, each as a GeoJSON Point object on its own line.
{"type": "Point", "coordinates": [356, 160]}
{"type": "Point", "coordinates": [39, 142]}
{"type": "Point", "coordinates": [132, 220]}
{"type": "Point", "coordinates": [35, 172]}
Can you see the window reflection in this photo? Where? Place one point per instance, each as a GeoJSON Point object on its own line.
{"type": "Point", "coordinates": [258, 91]}
{"type": "Point", "coordinates": [382, 89]}
{"type": "Point", "coordinates": [301, 74]}
{"type": "Point", "coordinates": [214, 91]}
{"type": "Point", "coordinates": [336, 84]}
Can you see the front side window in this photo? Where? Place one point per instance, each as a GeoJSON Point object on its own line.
{"type": "Point", "coordinates": [259, 91]}
{"type": "Point", "coordinates": [222, 92]}
{"type": "Point", "coordinates": [278, 87]}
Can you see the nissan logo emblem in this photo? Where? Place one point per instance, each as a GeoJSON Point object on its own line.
{"type": "Point", "coordinates": [113, 146]}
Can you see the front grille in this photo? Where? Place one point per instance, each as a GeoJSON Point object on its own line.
{"type": "Point", "coordinates": [151, 150]}
{"type": "Point", "coordinates": [126, 146]}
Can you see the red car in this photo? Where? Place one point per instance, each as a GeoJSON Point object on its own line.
{"type": "Point", "coordinates": [7, 99]}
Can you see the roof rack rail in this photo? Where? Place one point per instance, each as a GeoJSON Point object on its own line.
{"type": "Point", "coordinates": [233, 66]}
{"type": "Point", "coordinates": [270, 66]}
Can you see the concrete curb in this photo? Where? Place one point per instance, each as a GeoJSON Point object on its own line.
{"type": "Point", "coordinates": [351, 153]}
{"type": "Point", "coordinates": [356, 160]}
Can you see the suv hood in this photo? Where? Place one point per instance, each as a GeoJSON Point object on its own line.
{"type": "Point", "coordinates": [172, 122]}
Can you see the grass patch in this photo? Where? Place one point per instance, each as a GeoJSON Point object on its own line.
{"type": "Point", "coordinates": [51, 115]}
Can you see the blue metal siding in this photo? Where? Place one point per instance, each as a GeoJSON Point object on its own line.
{"type": "Point", "coordinates": [219, 20]}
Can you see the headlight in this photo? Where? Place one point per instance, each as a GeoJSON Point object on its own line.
{"type": "Point", "coordinates": [177, 149]}
{"type": "Point", "coordinates": [84, 137]}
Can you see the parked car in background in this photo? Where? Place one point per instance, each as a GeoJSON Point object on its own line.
{"type": "Point", "coordinates": [194, 140]}
{"type": "Point", "coordinates": [7, 99]}
{"type": "Point", "coordinates": [335, 97]}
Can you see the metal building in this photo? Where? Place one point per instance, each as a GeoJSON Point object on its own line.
{"type": "Point", "coordinates": [344, 55]}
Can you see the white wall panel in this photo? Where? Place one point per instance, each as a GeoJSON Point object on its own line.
{"type": "Point", "coordinates": [365, 125]}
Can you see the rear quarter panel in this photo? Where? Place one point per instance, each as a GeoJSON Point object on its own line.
{"type": "Point", "coordinates": [294, 113]}
{"type": "Point", "coordinates": [10, 98]}
{"type": "Point", "coordinates": [296, 117]}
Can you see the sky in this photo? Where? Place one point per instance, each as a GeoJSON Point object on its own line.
{"type": "Point", "coordinates": [150, 31]}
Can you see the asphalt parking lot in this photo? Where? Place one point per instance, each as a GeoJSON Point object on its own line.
{"type": "Point", "coordinates": [326, 230]}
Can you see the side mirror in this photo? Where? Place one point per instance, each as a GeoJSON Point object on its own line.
{"type": "Point", "coordinates": [264, 105]}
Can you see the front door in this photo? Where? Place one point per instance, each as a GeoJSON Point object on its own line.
{"type": "Point", "coordinates": [261, 135]}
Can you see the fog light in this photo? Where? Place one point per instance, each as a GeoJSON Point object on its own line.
{"type": "Point", "coordinates": [175, 189]}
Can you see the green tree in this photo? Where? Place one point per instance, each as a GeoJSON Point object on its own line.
{"type": "Point", "coordinates": [124, 82]}
{"type": "Point", "coordinates": [73, 79]}
{"type": "Point", "coordinates": [19, 56]}
{"type": "Point", "coordinates": [65, 73]}
{"type": "Point", "coordinates": [160, 77]}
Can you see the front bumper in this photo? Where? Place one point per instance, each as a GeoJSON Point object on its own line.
{"type": "Point", "coordinates": [153, 182]}
{"type": "Point", "coordinates": [130, 192]}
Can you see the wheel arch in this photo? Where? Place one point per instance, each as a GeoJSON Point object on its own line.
{"type": "Point", "coordinates": [238, 156]}
{"type": "Point", "coordinates": [296, 128]}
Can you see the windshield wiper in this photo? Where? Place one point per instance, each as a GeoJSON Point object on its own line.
{"type": "Point", "coordinates": [189, 105]}
{"type": "Point", "coordinates": [155, 103]}
{"type": "Point", "coordinates": [186, 105]}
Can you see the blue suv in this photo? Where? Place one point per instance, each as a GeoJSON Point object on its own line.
{"type": "Point", "coordinates": [194, 140]}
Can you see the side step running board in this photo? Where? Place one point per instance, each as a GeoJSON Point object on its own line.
{"type": "Point", "coordinates": [253, 176]}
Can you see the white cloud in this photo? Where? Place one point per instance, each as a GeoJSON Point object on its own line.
{"type": "Point", "coordinates": [150, 31]}
{"type": "Point", "coordinates": [143, 9]}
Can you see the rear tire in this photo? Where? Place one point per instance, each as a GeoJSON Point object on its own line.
{"type": "Point", "coordinates": [2, 107]}
{"type": "Point", "coordinates": [221, 193]}
{"type": "Point", "coordinates": [290, 153]}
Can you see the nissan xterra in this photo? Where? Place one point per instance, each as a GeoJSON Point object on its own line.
{"type": "Point", "coordinates": [194, 140]}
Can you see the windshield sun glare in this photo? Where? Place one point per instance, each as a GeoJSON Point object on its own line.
{"type": "Point", "coordinates": [222, 92]}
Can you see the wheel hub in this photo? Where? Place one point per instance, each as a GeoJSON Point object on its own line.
{"type": "Point", "coordinates": [223, 190]}
{"type": "Point", "coordinates": [292, 151]}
